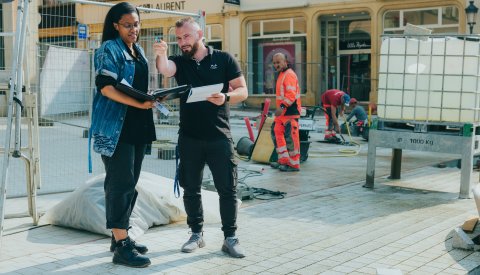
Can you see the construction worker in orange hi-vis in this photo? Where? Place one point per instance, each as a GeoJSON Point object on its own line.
{"type": "Point", "coordinates": [285, 133]}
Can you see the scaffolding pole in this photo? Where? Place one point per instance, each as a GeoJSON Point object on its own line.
{"type": "Point", "coordinates": [14, 101]}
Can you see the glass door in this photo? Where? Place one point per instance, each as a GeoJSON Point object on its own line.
{"type": "Point", "coordinates": [345, 52]}
{"type": "Point", "coordinates": [355, 75]}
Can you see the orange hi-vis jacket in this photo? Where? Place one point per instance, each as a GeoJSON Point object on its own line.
{"type": "Point", "coordinates": [288, 93]}
{"type": "Point", "coordinates": [285, 129]}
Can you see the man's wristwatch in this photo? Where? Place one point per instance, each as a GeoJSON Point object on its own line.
{"type": "Point", "coordinates": [227, 97]}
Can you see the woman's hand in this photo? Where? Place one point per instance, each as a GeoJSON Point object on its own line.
{"type": "Point", "coordinates": [147, 105]}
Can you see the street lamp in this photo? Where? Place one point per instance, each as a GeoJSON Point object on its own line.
{"type": "Point", "coordinates": [471, 12]}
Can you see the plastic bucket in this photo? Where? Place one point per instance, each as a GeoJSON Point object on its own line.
{"type": "Point", "coordinates": [244, 146]}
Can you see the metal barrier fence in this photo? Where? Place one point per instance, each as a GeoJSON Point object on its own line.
{"type": "Point", "coordinates": [312, 76]}
{"type": "Point", "coordinates": [59, 70]}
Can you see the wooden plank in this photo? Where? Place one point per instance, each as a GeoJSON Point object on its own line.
{"type": "Point", "coordinates": [263, 147]}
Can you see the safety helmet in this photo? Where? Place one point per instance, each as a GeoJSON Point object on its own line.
{"type": "Point", "coordinates": [353, 100]}
{"type": "Point", "coordinates": [346, 99]}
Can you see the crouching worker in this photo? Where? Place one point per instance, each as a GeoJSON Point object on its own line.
{"type": "Point", "coordinates": [334, 102]}
{"type": "Point", "coordinates": [285, 131]}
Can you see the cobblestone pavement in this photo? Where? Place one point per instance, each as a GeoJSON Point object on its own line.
{"type": "Point", "coordinates": [326, 224]}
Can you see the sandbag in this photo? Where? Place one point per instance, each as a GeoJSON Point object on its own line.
{"type": "Point", "coordinates": [156, 204]}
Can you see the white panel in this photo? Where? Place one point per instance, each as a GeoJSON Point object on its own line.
{"type": "Point", "coordinates": [470, 65]}
{"type": "Point", "coordinates": [395, 81]}
{"type": "Point", "coordinates": [393, 112]}
{"type": "Point", "coordinates": [435, 99]}
{"type": "Point", "coordinates": [381, 111]}
{"type": "Point", "coordinates": [408, 98]}
{"type": "Point", "coordinates": [434, 114]}
{"type": "Point", "coordinates": [382, 81]}
{"type": "Point", "coordinates": [423, 82]}
{"type": "Point", "coordinates": [396, 64]}
{"type": "Point", "coordinates": [452, 83]}
{"type": "Point", "coordinates": [453, 65]}
{"type": "Point", "coordinates": [454, 46]}
{"type": "Point", "coordinates": [384, 47]}
{"type": "Point", "coordinates": [408, 113]}
{"type": "Point", "coordinates": [438, 46]}
{"type": "Point", "coordinates": [64, 81]}
{"type": "Point", "coordinates": [413, 46]}
{"type": "Point", "coordinates": [420, 113]}
{"type": "Point", "coordinates": [421, 99]}
{"type": "Point", "coordinates": [437, 65]}
{"type": "Point", "coordinates": [397, 46]}
{"type": "Point", "coordinates": [436, 82]}
{"type": "Point", "coordinates": [394, 97]}
{"type": "Point", "coordinates": [410, 81]}
{"type": "Point", "coordinates": [451, 100]}
{"type": "Point", "coordinates": [381, 96]}
{"type": "Point", "coordinates": [450, 115]}
{"type": "Point", "coordinates": [468, 100]}
{"type": "Point", "coordinates": [467, 115]}
{"type": "Point", "coordinates": [426, 47]}
{"type": "Point", "coordinates": [469, 84]}
{"type": "Point", "coordinates": [383, 63]}
{"type": "Point", "coordinates": [472, 48]}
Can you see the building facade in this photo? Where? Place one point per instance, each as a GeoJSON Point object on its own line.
{"type": "Point", "coordinates": [329, 43]}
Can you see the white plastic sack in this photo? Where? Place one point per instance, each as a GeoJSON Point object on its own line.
{"type": "Point", "coordinates": [156, 205]}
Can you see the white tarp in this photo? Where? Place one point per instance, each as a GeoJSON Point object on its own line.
{"type": "Point", "coordinates": [156, 205]}
{"type": "Point", "coordinates": [65, 81]}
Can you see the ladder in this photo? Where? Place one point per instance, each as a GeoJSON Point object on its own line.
{"type": "Point", "coordinates": [20, 100]}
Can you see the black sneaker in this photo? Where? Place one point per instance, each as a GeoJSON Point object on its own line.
{"type": "Point", "coordinates": [274, 165]}
{"type": "Point", "coordinates": [286, 168]}
{"type": "Point", "coordinates": [195, 241]}
{"type": "Point", "coordinates": [231, 245]}
{"type": "Point", "coordinates": [126, 254]}
{"type": "Point", "coordinates": [142, 249]}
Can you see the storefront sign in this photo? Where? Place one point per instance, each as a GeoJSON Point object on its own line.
{"type": "Point", "coordinates": [354, 44]}
{"type": "Point", "coordinates": [82, 31]}
{"type": "Point", "coordinates": [173, 6]}
{"type": "Point", "coordinates": [235, 2]}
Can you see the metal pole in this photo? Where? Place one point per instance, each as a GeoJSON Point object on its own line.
{"type": "Point", "coordinates": [18, 94]}
{"type": "Point", "coordinates": [13, 85]}
{"type": "Point", "coordinates": [396, 165]}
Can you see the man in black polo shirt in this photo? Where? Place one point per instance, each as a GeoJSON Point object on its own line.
{"type": "Point", "coordinates": [204, 135]}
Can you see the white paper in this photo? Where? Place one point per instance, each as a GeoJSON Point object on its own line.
{"type": "Point", "coordinates": [201, 93]}
{"type": "Point", "coordinates": [162, 108]}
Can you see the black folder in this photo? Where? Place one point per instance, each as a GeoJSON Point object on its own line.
{"type": "Point", "coordinates": [170, 93]}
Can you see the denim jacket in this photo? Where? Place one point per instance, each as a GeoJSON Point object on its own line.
{"type": "Point", "coordinates": [111, 59]}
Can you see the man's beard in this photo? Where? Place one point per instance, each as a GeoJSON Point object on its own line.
{"type": "Point", "coordinates": [193, 51]}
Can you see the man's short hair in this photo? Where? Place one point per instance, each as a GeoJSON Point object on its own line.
{"type": "Point", "coordinates": [282, 55]}
{"type": "Point", "coordinates": [186, 20]}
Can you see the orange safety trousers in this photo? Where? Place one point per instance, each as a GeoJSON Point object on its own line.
{"type": "Point", "coordinates": [329, 130]}
{"type": "Point", "coordinates": [287, 140]}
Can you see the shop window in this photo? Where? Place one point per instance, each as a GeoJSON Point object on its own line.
{"type": "Point", "coordinates": [267, 37]}
{"type": "Point", "coordinates": [254, 29]}
{"type": "Point", "coordinates": [421, 18]}
{"type": "Point", "coordinates": [299, 26]}
{"type": "Point", "coordinates": [391, 20]}
{"type": "Point", "coordinates": [276, 27]}
{"type": "Point", "coordinates": [213, 35]}
{"type": "Point", "coordinates": [438, 19]}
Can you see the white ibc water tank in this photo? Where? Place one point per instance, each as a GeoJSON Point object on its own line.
{"type": "Point", "coordinates": [435, 79]}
